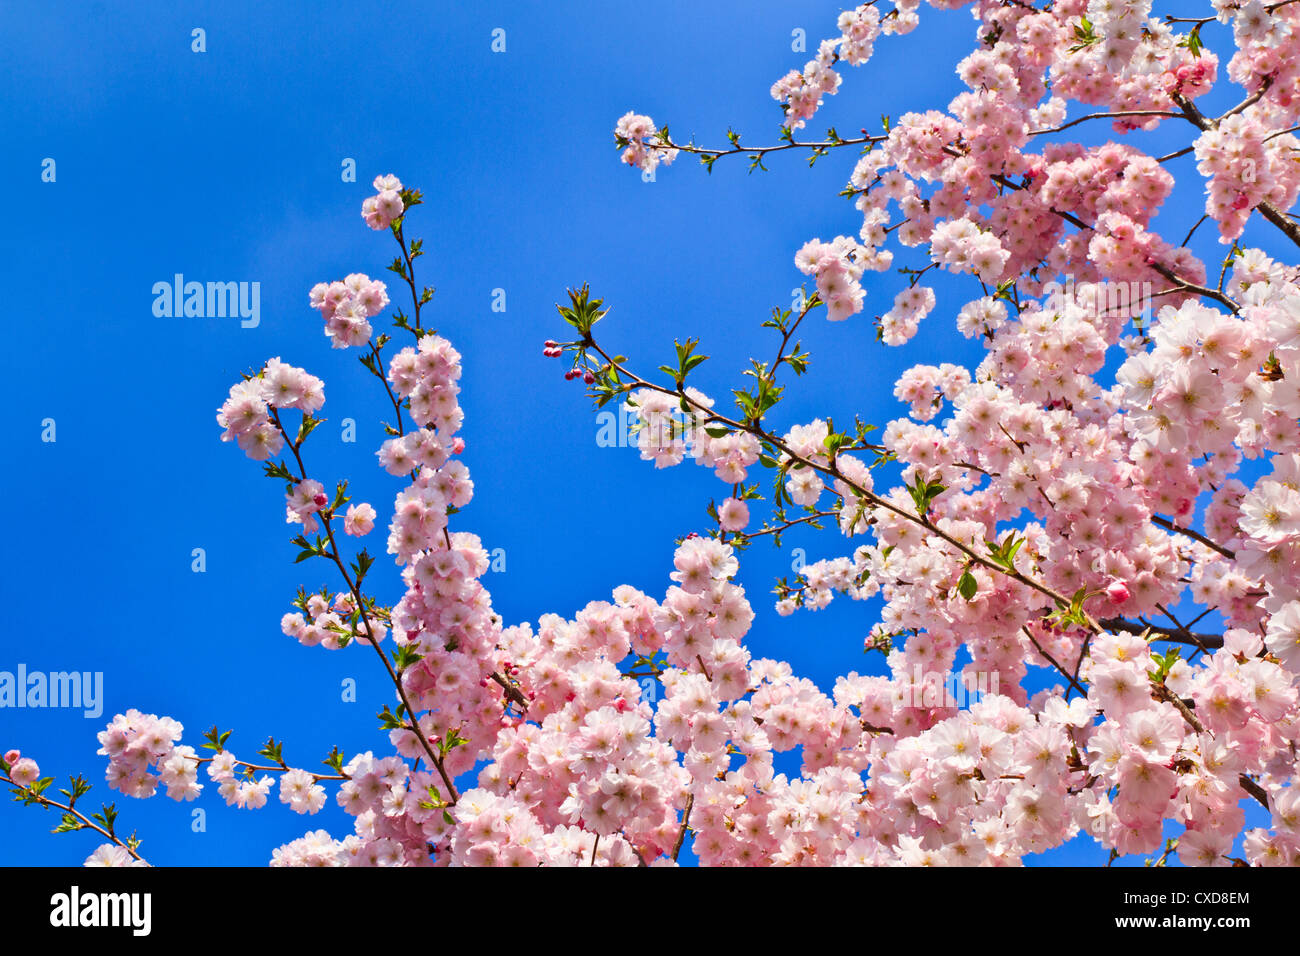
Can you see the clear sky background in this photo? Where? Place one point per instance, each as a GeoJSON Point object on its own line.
{"type": "Point", "coordinates": [225, 166]}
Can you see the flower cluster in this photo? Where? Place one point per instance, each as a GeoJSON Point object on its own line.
{"type": "Point", "coordinates": [248, 415]}
{"type": "Point", "coordinates": [644, 146]}
{"type": "Point", "coordinates": [1239, 158]}
{"type": "Point", "coordinates": [900, 323]}
{"type": "Point", "coordinates": [331, 623]}
{"type": "Point", "coordinates": [135, 742]}
{"type": "Point", "coordinates": [801, 93]}
{"type": "Point", "coordinates": [381, 209]}
{"type": "Point", "coordinates": [837, 266]}
{"type": "Point", "coordinates": [347, 306]}
{"type": "Point", "coordinates": [961, 246]}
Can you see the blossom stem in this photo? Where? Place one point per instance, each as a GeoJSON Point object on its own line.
{"type": "Point", "coordinates": [86, 823]}
{"type": "Point", "coordinates": [686, 819]}
{"type": "Point", "coordinates": [359, 599]}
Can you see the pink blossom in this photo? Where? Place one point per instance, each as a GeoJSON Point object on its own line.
{"type": "Point", "coordinates": [733, 515]}
{"type": "Point", "coordinates": [359, 520]}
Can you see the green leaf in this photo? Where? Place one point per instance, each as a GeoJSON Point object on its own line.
{"type": "Point", "coordinates": [277, 470]}
{"type": "Point", "coordinates": [272, 750]}
{"type": "Point", "coordinates": [362, 565]}
{"type": "Point", "coordinates": [69, 824]}
{"type": "Point", "coordinates": [309, 550]}
{"type": "Point", "coordinates": [1085, 34]}
{"type": "Point", "coordinates": [405, 656]}
{"type": "Point", "coordinates": [1004, 554]}
{"type": "Point", "coordinates": [1166, 664]}
{"type": "Point", "coordinates": [340, 496]}
{"type": "Point", "coordinates": [309, 425]}
{"type": "Point", "coordinates": [334, 761]}
{"type": "Point", "coordinates": [216, 740]}
{"type": "Point", "coordinates": [923, 493]}
{"type": "Point", "coordinates": [834, 441]}
{"type": "Point", "coordinates": [583, 312]}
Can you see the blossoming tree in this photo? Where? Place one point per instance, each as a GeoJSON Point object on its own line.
{"type": "Point", "coordinates": [1051, 512]}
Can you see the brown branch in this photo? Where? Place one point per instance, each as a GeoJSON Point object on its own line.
{"type": "Point", "coordinates": [865, 496]}
{"type": "Point", "coordinates": [1161, 692]}
{"type": "Point", "coordinates": [1158, 267]}
{"type": "Point", "coordinates": [686, 819]}
{"type": "Point", "coordinates": [1194, 535]}
{"type": "Point", "coordinates": [760, 151]}
{"type": "Point", "coordinates": [1266, 209]}
{"type": "Point", "coordinates": [359, 599]}
{"type": "Point", "coordinates": [1051, 660]}
{"type": "Point", "coordinates": [1254, 789]}
{"type": "Point", "coordinates": [1170, 114]}
{"type": "Point", "coordinates": [1177, 635]}
{"type": "Point", "coordinates": [512, 692]}
{"type": "Point", "coordinates": [86, 823]}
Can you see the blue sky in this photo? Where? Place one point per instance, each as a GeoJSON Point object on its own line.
{"type": "Point", "coordinates": [225, 166]}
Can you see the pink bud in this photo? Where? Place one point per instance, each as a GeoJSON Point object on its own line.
{"type": "Point", "coordinates": [12, 757]}
{"type": "Point", "coordinates": [457, 445]}
{"type": "Point", "coordinates": [320, 501]}
{"type": "Point", "coordinates": [1118, 592]}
